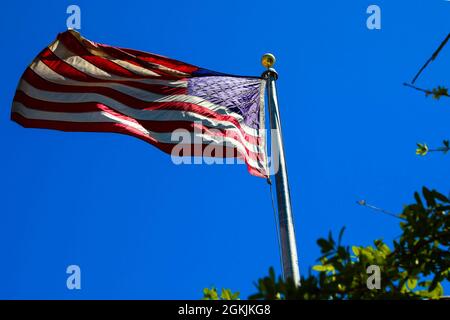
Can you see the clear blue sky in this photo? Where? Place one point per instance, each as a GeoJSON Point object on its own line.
{"type": "Point", "coordinates": [141, 227]}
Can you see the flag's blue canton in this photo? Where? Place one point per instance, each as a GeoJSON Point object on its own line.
{"type": "Point", "coordinates": [240, 95]}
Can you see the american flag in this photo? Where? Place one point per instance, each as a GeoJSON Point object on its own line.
{"type": "Point", "coordinates": [75, 84]}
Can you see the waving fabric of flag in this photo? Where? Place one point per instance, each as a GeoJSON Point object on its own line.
{"type": "Point", "coordinates": [78, 85]}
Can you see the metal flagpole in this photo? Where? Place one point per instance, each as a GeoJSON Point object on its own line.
{"type": "Point", "coordinates": [285, 217]}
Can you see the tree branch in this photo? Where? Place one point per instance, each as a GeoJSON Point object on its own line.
{"type": "Point", "coordinates": [433, 56]}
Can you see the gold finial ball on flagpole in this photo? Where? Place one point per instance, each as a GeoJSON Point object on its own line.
{"type": "Point", "coordinates": [268, 60]}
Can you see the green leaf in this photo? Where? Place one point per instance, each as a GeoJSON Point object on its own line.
{"type": "Point", "coordinates": [412, 283]}
{"type": "Point", "coordinates": [324, 268]}
{"type": "Point", "coordinates": [356, 250]}
{"type": "Point", "coordinates": [439, 196]}
{"type": "Point", "coordinates": [439, 92]}
{"type": "Point", "coordinates": [418, 200]}
{"type": "Point", "coordinates": [235, 295]}
{"type": "Point", "coordinates": [422, 149]}
{"type": "Point", "coordinates": [428, 197]}
{"type": "Point", "coordinates": [385, 249]}
{"type": "Point", "coordinates": [319, 268]}
{"type": "Point", "coordinates": [436, 293]}
{"type": "Point", "coordinates": [341, 233]}
{"type": "Point", "coordinates": [226, 294]}
{"type": "Point", "coordinates": [210, 294]}
{"type": "Point", "coordinates": [325, 245]}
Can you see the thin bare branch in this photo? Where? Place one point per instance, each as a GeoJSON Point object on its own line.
{"type": "Point", "coordinates": [365, 204]}
{"type": "Point", "coordinates": [432, 58]}
{"type": "Point", "coordinates": [426, 91]}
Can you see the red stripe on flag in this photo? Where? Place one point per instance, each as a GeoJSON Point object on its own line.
{"type": "Point", "coordinates": [155, 126]}
{"type": "Point", "coordinates": [38, 82]}
{"type": "Point", "coordinates": [66, 70]}
{"type": "Point", "coordinates": [164, 61]}
{"type": "Point", "coordinates": [191, 149]}
{"type": "Point", "coordinates": [94, 106]}
{"type": "Point", "coordinates": [133, 102]}
{"type": "Point", "coordinates": [72, 44]}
